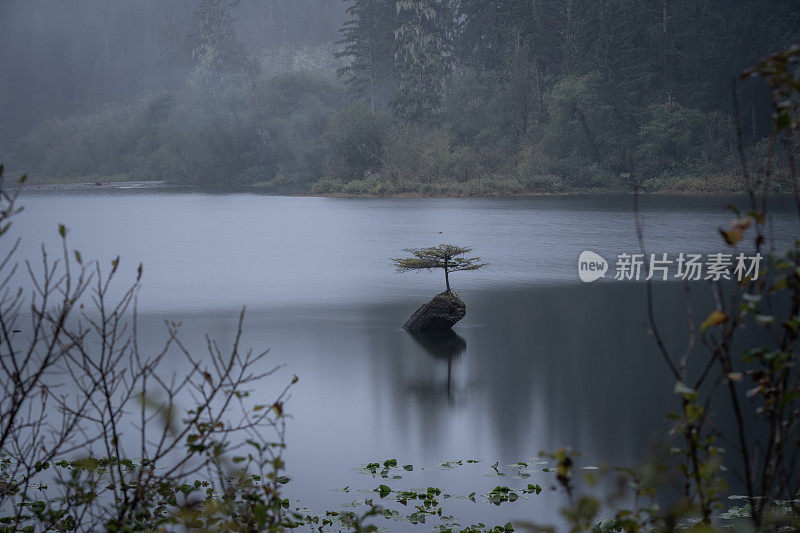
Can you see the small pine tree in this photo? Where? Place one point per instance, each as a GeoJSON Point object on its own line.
{"type": "Point", "coordinates": [445, 256]}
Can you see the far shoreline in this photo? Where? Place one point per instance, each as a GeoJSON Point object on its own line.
{"type": "Point", "coordinates": [65, 186]}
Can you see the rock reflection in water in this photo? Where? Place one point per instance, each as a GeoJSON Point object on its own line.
{"type": "Point", "coordinates": [443, 344]}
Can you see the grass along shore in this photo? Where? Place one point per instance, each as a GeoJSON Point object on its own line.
{"type": "Point", "coordinates": [376, 186]}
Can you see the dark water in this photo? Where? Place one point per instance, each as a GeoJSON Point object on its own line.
{"type": "Point", "coordinates": [540, 361]}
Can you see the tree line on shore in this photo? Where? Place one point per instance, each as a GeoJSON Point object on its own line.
{"type": "Point", "coordinates": [439, 97]}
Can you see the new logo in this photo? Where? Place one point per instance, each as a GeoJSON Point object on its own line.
{"type": "Point", "coordinates": [591, 266]}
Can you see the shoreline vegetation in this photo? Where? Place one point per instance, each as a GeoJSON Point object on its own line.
{"type": "Point", "coordinates": [376, 188]}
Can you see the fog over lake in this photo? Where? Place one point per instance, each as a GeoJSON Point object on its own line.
{"type": "Point", "coordinates": [223, 250]}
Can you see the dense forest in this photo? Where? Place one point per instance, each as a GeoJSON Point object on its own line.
{"type": "Point", "coordinates": [387, 97]}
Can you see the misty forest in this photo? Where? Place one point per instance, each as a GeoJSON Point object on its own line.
{"type": "Point", "coordinates": [400, 265]}
{"type": "Point", "coordinates": [387, 98]}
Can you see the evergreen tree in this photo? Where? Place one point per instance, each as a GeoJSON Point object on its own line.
{"type": "Point", "coordinates": [368, 45]}
{"type": "Point", "coordinates": [423, 52]}
{"type": "Point", "coordinates": [216, 47]}
{"type": "Point", "coordinates": [445, 256]}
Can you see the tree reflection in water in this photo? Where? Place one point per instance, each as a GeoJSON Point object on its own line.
{"type": "Point", "coordinates": [443, 344]}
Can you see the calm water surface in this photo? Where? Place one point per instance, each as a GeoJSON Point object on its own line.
{"type": "Point", "coordinates": [540, 361]}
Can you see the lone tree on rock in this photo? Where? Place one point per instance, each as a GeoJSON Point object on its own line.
{"type": "Point", "coordinates": [445, 256]}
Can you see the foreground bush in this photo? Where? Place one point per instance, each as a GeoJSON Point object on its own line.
{"type": "Point", "coordinates": [95, 434]}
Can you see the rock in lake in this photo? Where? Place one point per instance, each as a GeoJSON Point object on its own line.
{"type": "Point", "coordinates": [442, 312]}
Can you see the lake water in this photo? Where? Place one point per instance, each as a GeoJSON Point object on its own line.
{"type": "Point", "coordinates": [540, 361]}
